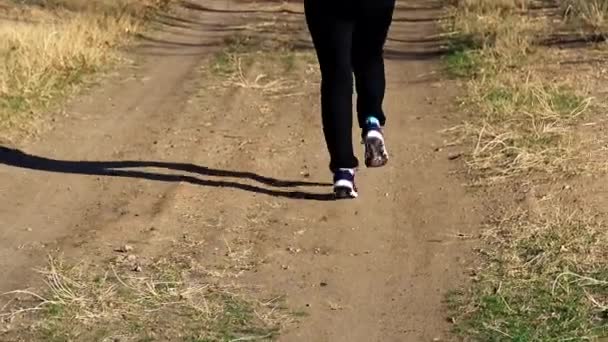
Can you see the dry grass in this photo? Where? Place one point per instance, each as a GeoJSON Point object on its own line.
{"type": "Point", "coordinates": [589, 15]}
{"type": "Point", "coordinates": [236, 77]}
{"type": "Point", "coordinates": [133, 8]}
{"type": "Point", "coordinates": [543, 275]}
{"type": "Point", "coordinates": [521, 121]}
{"type": "Point", "coordinates": [493, 24]}
{"type": "Point", "coordinates": [169, 299]}
{"type": "Point", "coordinates": [247, 64]}
{"type": "Point", "coordinates": [46, 51]}
{"type": "Point", "coordinates": [490, 6]}
{"type": "Point", "coordinates": [526, 127]}
{"type": "Point", "coordinates": [544, 278]}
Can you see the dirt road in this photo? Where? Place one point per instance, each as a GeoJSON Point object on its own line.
{"type": "Point", "coordinates": [154, 154]}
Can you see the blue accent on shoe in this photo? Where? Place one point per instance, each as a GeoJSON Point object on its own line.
{"type": "Point", "coordinates": [372, 122]}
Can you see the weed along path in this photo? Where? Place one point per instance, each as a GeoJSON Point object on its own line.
{"type": "Point", "coordinates": [186, 198]}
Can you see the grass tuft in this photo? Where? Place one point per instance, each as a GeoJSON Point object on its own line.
{"type": "Point", "coordinates": [543, 279]}
{"type": "Point", "coordinates": [520, 123]}
{"type": "Point", "coordinates": [47, 48]}
{"type": "Point", "coordinates": [525, 127]}
{"type": "Point", "coordinates": [247, 64]}
{"type": "Point", "coordinates": [168, 300]}
{"type": "Point", "coordinates": [588, 15]}
{"type": "Point", "coordinates": [462, 63]}
{"type": "Point", "coordinates": [543, 273]}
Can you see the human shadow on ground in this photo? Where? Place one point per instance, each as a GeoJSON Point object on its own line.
{"type": "Point", "coordinates": [124, 169]}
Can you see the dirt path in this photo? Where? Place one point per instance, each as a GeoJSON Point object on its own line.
{"type": "Point", "coordinates": [155, 155]}
{"type": "Point", "coordinates": [42, 210]}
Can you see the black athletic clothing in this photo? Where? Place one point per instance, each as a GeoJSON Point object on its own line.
{"type": "Point", "coordinates": [349, 36]}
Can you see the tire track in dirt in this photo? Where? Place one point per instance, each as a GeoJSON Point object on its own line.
{"type": "Point", "coordinates": [128, 118]}
{"type": "Point", "coordinates": [374, 269]}
{"type": "Point", "coordinates": [377, 269]}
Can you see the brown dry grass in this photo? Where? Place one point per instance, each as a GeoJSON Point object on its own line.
{"type": "Point", "coordinates": [526, 127]}
{"type": "Point", "coordinates": [170, 298]}
{"type": "Point", "coordinates": [543, 274]}
{"type": "Point", "coordinates": [543, 279]}
{"type": "Point", "coordinates": [266, 65]}
{"type": "Point", "coordinates": [589, 15]}
{"type": "Point", "coordinates": [45, 51]}
{"type": "Point", "coordinates": [522, 121]}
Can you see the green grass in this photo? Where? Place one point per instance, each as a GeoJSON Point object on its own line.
{"type": "Point", "coordinates": [47, 52]}
{"type": "Point", "coordinates": [464, 63]}
{"type": "Point", "coordinates": [531, 286]}
{"type": "Point", "coordinates": [542, 275]}
{"type": "Point", "coordinates": [246, 52]}
{"type": "Point", "coordinates": [565, 102]}
{"type": "Point", "coordinates": [522, 127]}
{"type": "Point", "coordinates": [274, 72]}
{"type": "Point", "coordinates": [223, 64]}
{"type": "Point", "coordinates": [532, 311]}
{"type": "Point", "coordinates": [464, 59]}
{"type": "Point", "coordinates": [289, 61]}
{"type": "Point", "coordinates": [490, 48]}
{"type": "Point", "coordinates": [13, 104]}
{"type": "Point", "coordinates": [88, 303]}
{"type": "Point", "coordinates": [519, 123]}
{"type": "Point", "coordinates": [236, 320]}
{"type": "Point", "coordinates": [506, 99]}
{"type": "Point", "coordinates": [237, 49]}
{"type": "Point", "coordinates": [588, 16]}
{"type": "Point", "coordinates": [299, 313]}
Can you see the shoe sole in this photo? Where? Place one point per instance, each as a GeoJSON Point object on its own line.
{"type": "Point", "coordinates": [343, 192]}
{"type": "Point", "coordinates": [376, 154]}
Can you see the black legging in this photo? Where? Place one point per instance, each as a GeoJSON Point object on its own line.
{"type": "Point", "coordinates": [349, 36]}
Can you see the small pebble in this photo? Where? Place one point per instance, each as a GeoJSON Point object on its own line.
{"type": "Point", "coordinates": [454, 156]}
{"type": "Point", "coordinates": [125, 249]}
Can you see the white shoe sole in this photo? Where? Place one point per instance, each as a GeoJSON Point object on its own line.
{"type": "Point", "coordinates": [344, 189]}
{"type": "Point", "coordinates": [376, 154]}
